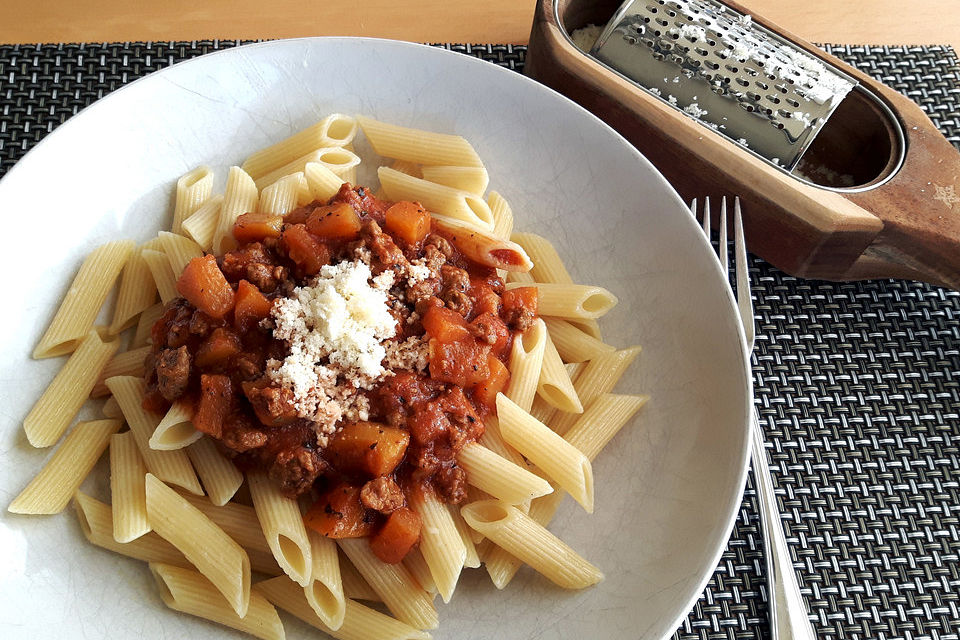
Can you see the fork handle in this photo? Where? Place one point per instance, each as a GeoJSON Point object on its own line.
{"type": "Point", "coordinates": [788, 613]}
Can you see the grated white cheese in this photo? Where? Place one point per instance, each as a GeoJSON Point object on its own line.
{"type": "Point", "coordinates": [585, 37]}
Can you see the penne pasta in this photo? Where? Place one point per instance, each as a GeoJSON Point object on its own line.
{"type": "Point", "coordinates": [219, 476]}
{"type": "Point", "coordinates": [321, 181]}
{"type": "Point", "coordinates": [418, 146]}
{"type": "Point", "coordinates": [335, 130]}
{"type": "Point", "coordinates": [472, 560]}
{"type": "Point", "coordinates": [64, 396]}
{"type": "Point", "coordinates": [137, 292]}
{"type": "Point", "coordinates": [502, 215]}
{"type": "Point", "coordinates": [526, 362]}
{"type": "Point", "coordinates": [393, 583]}
{"type": "Point", "coordinates": [470, 179]}
{"type": "Point", "coordinates": [409, 168]}
{"type": "Point", "coordinates": [144, 324]}
{"type": "Point", "coordinates": [500, 565]}
{"type": "Point", "coordinates": [452, 203]}
{"type": "Point", "coordinates": [240, 196]}
{"type": "Point", "coordinates": [521, 536]}
{"type": "Point", "coordinates": [96, 522]}
{"type": "Point", "coordinates": [83, 299]}
{"type": "Point", "coordinates": [51, 489]}
{"type": "Point", "coordinates": [547, 265]}
{"type": "Point", "coordinates": [417, 565]}
{"type": "Point", "coordinates": [480, 246]}
{"type": "Point", "coordinates": [599, 376]}
{"type": "Point", "coordinates": [170, 466]}
{"type": "Point", "coordinates": [163, 274]}
{"type": "Point", "coordinates": [283, 196]}
{"type": "Point", "coordinates": [126, 363]}
{"type": "Point", "coordinates": [202, 225]}
{"type": "Point", "coordinates": [354, 586]}
{"type": "Point", "coordinates": [572, 300]}
{"type": "Point", "coordinates": [440, 542]}
{"type": "Point", "coordinates": [341, 162]}
{"type": "Point", "coordinates": [601, 421]}
{"type": "Point", "coordinates": [558, 459]}
{"type": "Point", "coordinates": [499, 477]}
{"type": "Point", "coordinates": [554, 384]}
{"type": "Point", "coordinates": [237, 520]}
{"type": "Point", "coordinates": [127, 489]}
{"type": "Point", "coordinates": [175, 430]}
{"type": "Point", "coordinates": [572, 343]}
{"type": "Point", "coordinates": [359, 622]}
{"type": "Point", "coordinates": [193, 593]}
{"type": "Point", "coordinates": [179, 250]}
{"type": "Point", "coordinates": [215, 554]}
{"type": "Point", "coordinates": [325, 591]}
{"type": "Point", "coordinates": [282, 526]}
{"type": "Point", "coordinates": [111, 409]}
{"type": "Point", "coordinates": [193, 189]}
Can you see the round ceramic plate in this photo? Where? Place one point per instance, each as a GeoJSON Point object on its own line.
{"type": "Point", "coordinates": [667, 490]}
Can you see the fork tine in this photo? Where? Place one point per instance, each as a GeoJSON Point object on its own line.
{"type": "Point", "coordinates": [706, 217]}
{"type": "Point", "coordinates": [724, 257]}
{"type": "Point", "coordinates": [744, 301]}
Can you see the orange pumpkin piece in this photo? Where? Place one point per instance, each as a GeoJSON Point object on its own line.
{"type": "Point", "coordinates": [216, 400]}
{"type": "Point", "coordinates": [408, 221]}
{"type": "Point", "coordinates": [340, 514]}
{"type": "Point", "coordinates": [254, 227]}
{"type": "Point", "coordinates": [393, 541]}
{"type": "Point", "coordinates": [485, 392]}
{"type": "Point", "coordinates": [205, 287]}
{"type": "Point", "coordinates": [250, 307]}
{"type": "Point", "coordinates": [309, 253]}
{"type": "Point", "coordinates": [464, 363]}
{"type": "Point", "coordinates": [446, 325]}
{"type": "Point", "coordinates": [521, 298]}
{"type": "Point", "coordinates": [220, 344]}
{"type": "Point", "coordinates": [334, 222]}
{"type": "Point", "coordinates": [367, 447]}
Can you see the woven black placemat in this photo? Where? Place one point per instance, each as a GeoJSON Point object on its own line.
{"type": "Point", "coordinates": [857, 384]}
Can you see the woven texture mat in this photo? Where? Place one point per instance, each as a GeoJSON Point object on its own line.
{"type": "Point", "coordinates": [857, 385]}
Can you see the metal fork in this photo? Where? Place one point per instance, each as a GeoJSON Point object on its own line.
{"type": "Point", "coordinates": [788, 613]}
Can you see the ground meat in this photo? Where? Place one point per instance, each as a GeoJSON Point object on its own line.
{"type": "Point", "coordinates": [385, 254]}
{"type": "Point", "coordinates": [362, 201]}
{"type": "Point", "coordinates": [274, 406]}
{"type": "Point", "coordinates": [439, 243]}
{"type": "Point", "coordinates": [434, 257]}
{"type": "Point", "coordinates": [247, 366]}
{"type": "Point", "coordinates": [173, 372]}
{"type": "Point", "coordinates": [255, 264]}
{"type": "Point", "coordinates": [241, 435]}
{"type": "Point", "coordinates": [457, 301]}
{"type": "Point", "coordinates": [295, 469]}
{"type": "Point", "coordinates": [519, 319]}
{"type": "Point", "coordinates": [489, 328]}
{"type": "Point", "coordinates": [451, 483]}
{"type": "Point", "coordinates": [382, 494]}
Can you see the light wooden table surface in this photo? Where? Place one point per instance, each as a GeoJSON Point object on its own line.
{"type": "Point", "coordinates": [478, 21]}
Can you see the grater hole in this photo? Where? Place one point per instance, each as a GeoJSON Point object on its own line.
{"type": "Point", "coordinates": [793, 103]}
{"type": "Point", "coordinates": [702, 51]}
{"type": "Point", "coordinates": [662, 22]}
{"type": "Point", "coordinates": [763, 85]}
{"type": "Point", "coordinates": [712, 65]}
{"type": "Point", "coordinates": [731, 68]}
{"type": "Point", "coordinates": [774, 99]}
{"type": "Point", "coordinates": [743, 83]}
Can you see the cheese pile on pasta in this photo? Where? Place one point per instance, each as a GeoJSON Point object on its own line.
{"type": "Point", "coordinates": [408, 386]}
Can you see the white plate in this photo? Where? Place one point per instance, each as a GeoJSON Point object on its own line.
{"type": "Point", "coordinates": [667, 493]}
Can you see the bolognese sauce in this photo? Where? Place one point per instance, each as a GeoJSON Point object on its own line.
{"type": "Point", "coordinates": [348, 349]}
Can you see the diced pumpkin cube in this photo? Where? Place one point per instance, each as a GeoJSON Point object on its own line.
{"type": "Point", "coordinates": [484, 298]}
{"type": "Point", "coordinates": [340, 514]}
{"type": "Point", "coordinates": [445, 325]}
{"type": "Point", "coordinates": [408, 221]}
{"type": "Point", "coordinates": [216, 401]}
{"type": "Point", "coordinates": [221, 344]}
{"type": "Point", "coordinates": [205, 287]}
{"type": "Point", "coordinates": [393, 541]}
{"type": "Point", "coordinates": [489, 326]}
{"type": "Point", "coordinates": [485, 393]}
{"type": "Point", "coordinates": [463, 363]}
{"type": "Point", "coordinates": [250, 308]}
{"type": "Point", "coordinates": [306, 251]}
{"type": "Point", "coordinates": [334, 222]}
{"type": "Point", "coordinates": [521, 298]}
{"type": "Point", "coordinates": [254, 227]}
{"type": "Point", "coordinates": [367, 447]}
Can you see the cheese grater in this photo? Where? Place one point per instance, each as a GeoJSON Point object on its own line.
{"type": "Point", "coordinates": [841, 177]}
{"type": "Point", "coordinates": [722, 68]}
